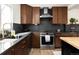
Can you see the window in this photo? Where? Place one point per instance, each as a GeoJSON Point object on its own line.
{"type": "Point", "coordinates": [6, 17]}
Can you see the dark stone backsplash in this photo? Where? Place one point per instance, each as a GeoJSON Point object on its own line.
{"type": "Point", "coordinates": [72, 28]}
{"type": "Point", "coordinates": [17, 27]}
{"type": "Point", "coordinates": [40, 28]}
{"type": "Point", "coordinates": [45, 27]}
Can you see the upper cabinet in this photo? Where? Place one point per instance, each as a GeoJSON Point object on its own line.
{"type": "Point", "coordinates": [36, 15]}
{"type": "Point", "coordinates": [31, 15]}
{"type": "Point", "coordinates": [26, 14]}
{"type": "Point", "coordinates": [59, 15]}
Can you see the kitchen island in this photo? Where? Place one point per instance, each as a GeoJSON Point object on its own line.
{"type": "Point", "coordinates": [70, 45]}
{"type": "Point", "coordinates": [15, 46]}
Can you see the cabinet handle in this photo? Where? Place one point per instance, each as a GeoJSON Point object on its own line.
{"type": "Point", "coordinates": [24, 42]}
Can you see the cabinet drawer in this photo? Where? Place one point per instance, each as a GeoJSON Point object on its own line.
{"type": "Point", "coordinates": [22, 46]}
{"type": "Point", "coordinates": [21, 51]}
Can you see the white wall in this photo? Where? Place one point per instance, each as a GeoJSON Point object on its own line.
{"type": "Point", "coordinates": [16, 13]}
{"type": "Point", "coordinates": [0, 19]}
{"type": "Point", "coordinates": [73, 12]}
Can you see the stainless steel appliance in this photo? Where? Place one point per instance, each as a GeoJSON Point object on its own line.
{"type": "Point", "coordinates": [45, 13]}
{"type": "Point", "coordinates": [44, 43]}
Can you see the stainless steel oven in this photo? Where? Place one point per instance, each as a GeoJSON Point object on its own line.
{"type": "Point", "coordinates": [44, 43]}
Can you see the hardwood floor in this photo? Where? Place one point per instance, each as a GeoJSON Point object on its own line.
{"type": "Point", "coordinates": [38, 51]}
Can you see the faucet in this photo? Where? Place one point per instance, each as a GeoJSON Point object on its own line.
{"type": "Point", "coordinates": [6, 29]}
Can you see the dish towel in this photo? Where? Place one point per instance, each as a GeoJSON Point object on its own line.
{"type": "Point", "coordinates": [47, 38]}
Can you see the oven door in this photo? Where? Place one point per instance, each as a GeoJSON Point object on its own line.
{"type": "Point", "coordinates": [44, 42]}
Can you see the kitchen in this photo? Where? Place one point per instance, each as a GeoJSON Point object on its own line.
{"type": "Point", "coordinates": [38, 29]}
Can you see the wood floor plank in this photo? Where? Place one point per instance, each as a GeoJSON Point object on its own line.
{"type": "Point", "coordinates": [38, 51]}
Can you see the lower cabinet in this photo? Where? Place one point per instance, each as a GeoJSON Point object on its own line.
{"type": "Point", "coordinates": [36, 40]}
{"type": "Point", "coordinates": [57, 40]}
{"type": "Point", "coordinates": [21, 52]}
{"type": "Point", "coordinates": [58, 35]}
{"type": "Point", "coordinates": [21, 48]}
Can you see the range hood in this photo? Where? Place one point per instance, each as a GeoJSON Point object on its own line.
{"type": "Point", "coordinates": [45, 13]}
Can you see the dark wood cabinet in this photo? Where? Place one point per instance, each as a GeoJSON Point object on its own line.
{"type": "Point", "coordinates": [58, 35]}
{"type": "Point", "coordinates": [54, 13]}
{"type": "Point", "coordinates": [36, 15]}
{"type": "Point", "coordinates": [21, 48]}
{"type": "Point", "coordinates": [26, 14]}
{"type": "Point", "coordinates": [59, 15]}
{"type": "Point", "coordinates": [36, 40]}
{"type": "Point", "coordinates": [57, 40]}
{"type": "Point", "coordinates": [64, 15]}
{"type": "Point", "coordinates": [31, 15]}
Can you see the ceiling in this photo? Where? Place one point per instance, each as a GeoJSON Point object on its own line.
{"type": "Point", "coordinates": [48, 5]}
{"type": "Point", "coordinates": [70, 6]}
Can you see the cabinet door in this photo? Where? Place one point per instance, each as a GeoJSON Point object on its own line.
{"type": "Point", "coordinates": [36, 40]}
{"type": "Point", "coordinates": [58, 41]}
{"type": "Point", "coordinates": [23, 14]}
{"type": "Point", "coordinates": [64, 15]}
{"type": "Point", "coordinates": [59, 15]}
{"type": "Point", "coordinates": [36, 15]}
{"type": "Point", "coordinates": [22, 47]}
{"type": "Point", "coordinates": [29, 14]}
{"type": "Point", "coordinates": [54, 13]}
{"type": "Point", "coordinates": [26, 14]}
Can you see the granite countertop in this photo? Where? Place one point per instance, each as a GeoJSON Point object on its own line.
{"type": "Point", "coordinates": [74, 41]}
{"type": "Point", "coordinates": [7, 43]}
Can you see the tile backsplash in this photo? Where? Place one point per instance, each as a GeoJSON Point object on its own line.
{"type": "Point", "coordinates": [17, 27]}
{"type": "Point", "coordinates": [40, 28]}
{"type": "Point", "coordinates": [72, 28]}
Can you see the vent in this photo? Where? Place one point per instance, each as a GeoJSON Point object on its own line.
{"type": "Point", "coordinates": [45, 13]}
